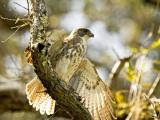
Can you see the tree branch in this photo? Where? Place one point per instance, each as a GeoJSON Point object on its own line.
{"type": "Point", "coordinates": [57, 89]}
{"type": "Point", "coordinates": [113, 76]}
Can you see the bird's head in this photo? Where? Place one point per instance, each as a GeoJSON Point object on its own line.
{"type": "Point", "coordinates": [84, 33]}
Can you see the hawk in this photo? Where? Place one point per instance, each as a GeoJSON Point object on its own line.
{"type": "Point", "coordinates": [75, 69]}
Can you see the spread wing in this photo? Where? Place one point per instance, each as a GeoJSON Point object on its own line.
{"type": "Point", "coordinates": [38, 98]}
{"type": "Point", "coordinates": [95, 93]}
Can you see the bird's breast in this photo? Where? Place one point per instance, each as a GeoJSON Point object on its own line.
{"type": "Point", "coordinates": [69, 63]}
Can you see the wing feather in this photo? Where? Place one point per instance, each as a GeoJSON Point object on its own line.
{"type": "Point", "coordinates": [97, 95]}
{"type": "Point", "coordinates": [38, 98]}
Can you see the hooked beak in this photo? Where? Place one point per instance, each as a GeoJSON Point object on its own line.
{"type": "Point", "coordinates": [91, 34]}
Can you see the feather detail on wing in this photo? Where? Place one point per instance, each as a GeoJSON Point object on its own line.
{"type": "Point", "coordinates": [95, 93]}
{"type": "Point", "coordinates": [38, 98]}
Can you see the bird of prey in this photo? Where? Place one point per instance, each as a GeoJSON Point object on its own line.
{"type": "Point", "coordinates": [76, 70]}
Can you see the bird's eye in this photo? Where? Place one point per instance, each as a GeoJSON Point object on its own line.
{"type": "Point", "coordinates": [81, 33]}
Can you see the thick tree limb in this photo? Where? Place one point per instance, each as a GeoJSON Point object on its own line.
{"type": "Point", "coordinates": [63, 94]}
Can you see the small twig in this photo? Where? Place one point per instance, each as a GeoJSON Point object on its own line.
{"type": "Point", "coordinates": [154, 85]}
{"type": "Point", "coordinates": [28, 7]}
{"type": "Point", "coordinates": [130, 115]}
{"type": "Point", "coordinates": [116, 70]}
{"type": "Point", "coordinates": [14, 19]}
{"type": "Point", "coordinates": [152, 103]}
{"type": "Point", "coordinates": [3, 41]}
{"type": "Point", "coordinates": [20, 26]}
{"type": "Point", "coordinates": [154, 111]}
{"type": "Point", "coordinates": [135, 100]}
{"type": "Point", "coordinates": [20, 5]}
{"type": "Point", "coordinates": [116, 53]}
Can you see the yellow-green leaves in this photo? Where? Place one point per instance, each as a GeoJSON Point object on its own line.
{"type": "Point", "coordinates": [155, 44]}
